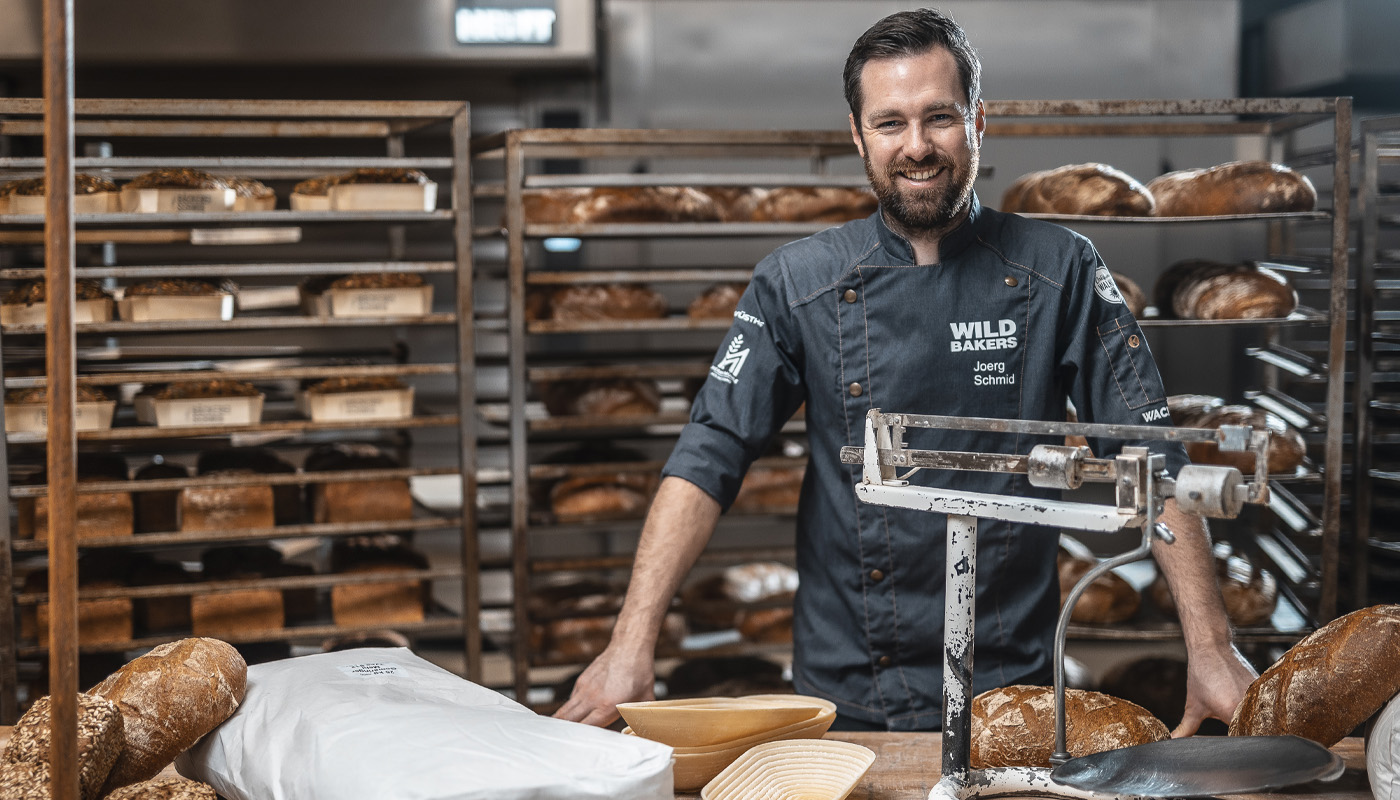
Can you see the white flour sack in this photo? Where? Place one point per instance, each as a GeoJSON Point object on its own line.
{"type": "Point", "coordinates": [383, 723]}
{"type": "Point", "coordinates": [1383, 753]}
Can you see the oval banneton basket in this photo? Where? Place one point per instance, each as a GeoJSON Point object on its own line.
{"type": "Point", "coordinates": [706, 721]}
{"type": "Point", "coordinates": [804, 770]}
{"type": "Point", "coordinates": [694, 767]}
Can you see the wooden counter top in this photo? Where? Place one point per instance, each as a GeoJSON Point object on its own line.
{"type": "Point", "coordinates": [907, 766]}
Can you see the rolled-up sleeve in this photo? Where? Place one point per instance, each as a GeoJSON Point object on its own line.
{"type": "Point", "coordinates": [753, 387]}
{"type": "Point", "coordinates": [1105, 364]}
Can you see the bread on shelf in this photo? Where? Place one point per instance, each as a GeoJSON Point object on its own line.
{"type": "Point", "coordinates": [99, 515]}
{"type": "Point", "coordinates": [177, 190]}
{"type": "Point", "coordinates": [1015, 726]}
{"type": "Point", "coordinates": [312, 194]}
{"type": "Point", "coordinates": [368, 398]}
{"type": "Point", "coordinates": [601, 397]}
{"type": "Point", "coordinates": [385, 602]}
{"type": "Point", "coordinates": [1133, 295]}
{"type": "Point", "coordinates": [176, 299]}
{"type": "Point", "coordinates": [158, 512]}
{"type": "Point", "coordinates": [1328, 683]}
{"type": "Point", "coordinates": [27, 411]}
{"type": "Point", "coordinates": [718, 601]}
{"type": "Point", "coordinates": [591, 302]}
{"type": "Point", "coordinates": [1286, 448]}
{"type": "Point", "coordinates": [368, 294]}
{"type": "Point", "coordinates": [356, 501]}
{"type": "Point", "coordinates": [814, 204]}
{"type": "Point", "coordinates": [1092, 189]}
{"type": "Point", "coordinates": [27, 304]}
{"type": "Point", "coordinates": [717, 302]}
{"type": "Point", "coordinates": [160, 614]}
{"type": "Point", "coordinates": [1250, 592]}
{"type": "Point", "coordinates": [1199, 289]}
{"type": "Point", "coordinates": [215, 402]}
{"type": "Point", "coordinates": [382, 189]}
{"type": "Point", "coordinates": [591, 608]}
{"type": "Point", "coordinates": [247, 611]}
{"type": "Point", "coordinates": [286, 498]}
{"type": "Point", "coordinates": [1109, 600]}
{"type": "Point", "coordinates": [615, 495]}
{"type": "Point", "coordinates": [1239, 187]}
{"type": "Point", "coordinates": [92, 194]}
{"type": "Point", "coordinates": [619, 204]}
{"type": "Point", "coordinates": [252, 195]}
{"type": "Point", "coordinates": [100, 621]}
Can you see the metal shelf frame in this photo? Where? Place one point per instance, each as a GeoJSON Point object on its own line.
{"type": "Point", "coordinates": [207, 122]}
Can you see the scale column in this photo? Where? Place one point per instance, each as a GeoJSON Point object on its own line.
{"type": "Point", "coordinates": [959, 614]}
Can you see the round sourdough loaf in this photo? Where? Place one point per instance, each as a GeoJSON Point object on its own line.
{"type": "Point", "coordinates": [165, 789]}
{"type": "Point", "coordinates": [1092, 189]}
{"type": "Point", "coordinates": [24, 767]}
{"type": "Point", "coordinates": [1240, 187]}
{"type": "Point", "coordinates": [169, 698]}
{"type": "Point", "coordinates": [1015, 726]}
{"type": "Point", "coordinates": [1330, 682]}
{"type": "Point", "coordinates": [1108, 600]}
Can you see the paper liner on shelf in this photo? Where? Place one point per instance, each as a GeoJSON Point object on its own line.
{"type": "Point", "coordinates": [174, 201]}
{"type": "Point", "coordinates": [311, 202]}
{"type": "Point", "coordinates": [95, 203]}
{"type": "Point", "coordinates": [208, 411]}
{"type": "Point", "coordinates": [166, 308]}
{"type": "Point", "coordinates": [702, 722]}
{"type": "Point", "coordinates": [404, 301]}
{"type": "Point", "coordinates": [383, 197]}
{"type": "Point", "coordinates": [268, 203]}
{"type": "Point", "coordinates": [99, 310]}
{"type": "Point", "coordinates": [378, 404]}
{"type": "Point", "coordinates": [785, 770]}
{"type": "Point", "coordinates": [34, 417]}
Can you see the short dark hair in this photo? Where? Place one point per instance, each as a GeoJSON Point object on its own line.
{"type": "Point", "coordinates": [909, 33]}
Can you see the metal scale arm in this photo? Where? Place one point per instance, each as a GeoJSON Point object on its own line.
{"type": "Point", "coordinates": [1140, 486]}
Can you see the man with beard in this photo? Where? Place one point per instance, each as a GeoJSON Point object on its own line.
{"type": "Point", "coordinates": [933, 305]}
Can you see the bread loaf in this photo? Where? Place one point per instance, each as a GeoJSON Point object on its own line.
{"type": "Point", "coordinates": [1240, 187]}
{"type": "Point", "coordinates": [286, 498]}
{"type": "Point", "coordinates": [177, 287]}
{"type": "Point", "coordinates": [814, 204]}
{"type": "Point", "coordinates": [352, 501]}
{"type": "Point", "coordinates": [1133, 296]}
{"type": "Point", "coordinates": [1214, 290]}
{"type": "Point", "coordinates": [1108, 600]}
{"type": "Point", "coordinates": [591, 302]}
{"type": "Point", "coordinates": [253, 562]}
{"type": "Point", "coordinates": [99, 514]}
{"type": "Point", "coordinates": [169, 698]}
{"type": "Point", "coordinates": [177, 178]}
{"type": "Point", "coordinates": [735, 203]}
{"type": "Point", "coordinates": [158, 512]}
{"type": "Point", "coordinates": [769, 490]}
{"type": "Point", "coordinates": [161, 613]}
{"type": "Point", "coordinates": [165, 789]}
{"type": "Point", "coordinates": [1286, 447]}
{"type": "Point", "coordinates": [1328, 683]}
{"type": "Point", "coordinates": [99, 621]}
{"type": "Point", "coordinates": [383, 602]}
{"type": "Point", "coordinates": [609, 204]}
{"type": "Point", "coordinates": [36, 292]}
{"type": "Point", "coordinates": [766, 625]}
{"type": "Point", "coordinates": [717, 302]}
{"type": "Point", "coordinates": [219, 508]}
{"type": "Point", "coordinates": [101, 739]}
{"type": "Point", "coordinates": [716, 601]}
{"type": "Point", "coordinates": [612, 495]}
{"type": "Point", "coordinates": [237, 612]}
{"type": "Point", "coordinates": [603, 397]}
{"type": "Point", "coordinates": [1015, 726]}
{"type": "Point", "coordinates": [1096, 190]}
{"type": "Point", "coordinates": [1250, 593]}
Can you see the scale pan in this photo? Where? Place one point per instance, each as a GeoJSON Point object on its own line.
{"type": "Point", "coordinates": [1200, 766]}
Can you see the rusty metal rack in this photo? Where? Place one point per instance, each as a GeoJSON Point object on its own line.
{"type": "Point", "coordinates": [274, 349]}
{"type": "Point", "coordinates": [1375, 550]}
{"type": "Point", "coordinates": [1299, 379]}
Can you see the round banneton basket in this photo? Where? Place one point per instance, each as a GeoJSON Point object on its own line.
{"type": "Point", "coordinates": [785, 770]}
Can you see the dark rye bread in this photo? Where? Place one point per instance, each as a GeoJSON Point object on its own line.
{"type": "Point", "coordinates": [1015, 726]}
{"type": "Point", "coordinates": [165, 789]}
{"type": "Point", "coordinates": [169, 698]}
{"type": "Point", "coordinates": [1329, 683]}
{"type": "Point", "coordinates": [24, 767]}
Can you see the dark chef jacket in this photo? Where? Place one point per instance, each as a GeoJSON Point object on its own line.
{"type": "Point", "coordinates": [1017, 315]}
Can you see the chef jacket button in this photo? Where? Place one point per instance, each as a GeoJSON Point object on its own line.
{"type": "Point", "coordinates": [1010, 281]}
{"type": "Point", "coordinates": [876, 575]}
{"type": "Point", "coordinates": [885, 661]}
{"type": "Point", "coordinates": [855, 390]}
{"type": "Point", "coordinates": [850, 295]}
{"type": "Point", "coordinates": [1133, 341]}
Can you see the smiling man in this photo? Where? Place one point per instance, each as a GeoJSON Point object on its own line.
{"type": "Point", "coordinates": [933, 305]}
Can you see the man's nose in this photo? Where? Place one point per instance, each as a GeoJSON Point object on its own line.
{"type": "Point", "coordinates": [918, 144]}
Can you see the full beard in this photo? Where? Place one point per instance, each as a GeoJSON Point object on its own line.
{"type": "Point", "coordinates": [929, 209]}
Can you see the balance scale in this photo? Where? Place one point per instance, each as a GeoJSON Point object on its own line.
{"type": "Point", "coordinates": [1190, 767]}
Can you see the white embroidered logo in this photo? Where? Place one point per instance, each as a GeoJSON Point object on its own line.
{"type": "Point", "coordinates": [727, 369]}
{"type": "Point", "coordinates": [1105, 287]}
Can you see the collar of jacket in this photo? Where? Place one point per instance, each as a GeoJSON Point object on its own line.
{"type": "Point", "coordinates": [949, 247]}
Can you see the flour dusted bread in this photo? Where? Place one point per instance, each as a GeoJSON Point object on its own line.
{"type": "Point", "coordinates": [1092, 189]}
{"type": "Point", "coordinates": [815, 204]}
{"type": "Point", "coordinates": [614, 494]}
{"type": "Point", "coordinates": [165, 789]}
{"type": "Point", "coordinates": [618, 204]}
{"type": "Point", "coordinates": [1199, 289]}
{"type": "Point", "coordinates": [24, 766]}
{"type": "Point", "coordinates": [1286, 447]}
{"type": "Point", "coordinates": [168, 699]}
{"type": "Point", "coordinates": [1328, 683]}
{"type": "Point", "coordinates": [1015, 726]}
{"type": "Point", "coordinates": [1239, 187]}
{"type": "Point", "coordinates": [598, 301]}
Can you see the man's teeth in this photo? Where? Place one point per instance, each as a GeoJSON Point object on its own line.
{"type": "Point", "coordinates": [921, 175]}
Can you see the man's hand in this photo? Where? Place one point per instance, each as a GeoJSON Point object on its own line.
{"type": "Point", "coordinates": [612, 678]}
{"type": "Point", "coordinates": [1215, 685]}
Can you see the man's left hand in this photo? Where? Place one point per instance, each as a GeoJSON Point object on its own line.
{"type": "Point", "coordinates": [1215, 684]}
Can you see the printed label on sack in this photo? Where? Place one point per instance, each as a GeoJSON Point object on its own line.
{"type": "Point", "coordinates": [1105, 287]}
{"type": "Point", "coordinates": [373, 669]}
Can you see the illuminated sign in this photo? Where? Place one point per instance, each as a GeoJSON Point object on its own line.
{"type": "Point", "coordinates": [505, 21]}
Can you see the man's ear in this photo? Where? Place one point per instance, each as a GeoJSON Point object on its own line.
{"type": "Point", "coordinates": [980, 120]}
{"type": "Point", "coordinates": [856, 137]}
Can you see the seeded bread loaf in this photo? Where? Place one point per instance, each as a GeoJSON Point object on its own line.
{"type": "Point", "coordinates": [24, 766]}
{"type": "Point", "coordinates": [1082, 189]}
{"type": "Point", "coordinates": [169, 698]}
{"type": "Point", "coordinates": [165, 789]}
{"type": "Point", "coordinates": [1239, 187]}
{"type": "Point", "coordinates": [1328, 683]}
{"type": "Point", "coordinates": [1015, 726]}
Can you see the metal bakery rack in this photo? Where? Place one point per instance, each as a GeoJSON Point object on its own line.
{"type": "Point", "coordinates": [1376, 548]}
{"type": "Point", "coordinates": [678, 258]}
{"type": "Point", "coordinates": [1299, 359]}
{"type": "Point", "coordinates": [276, 347]}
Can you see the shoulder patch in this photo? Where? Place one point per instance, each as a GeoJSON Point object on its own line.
{"type": "Point", "coordinates": [1105, 287]}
